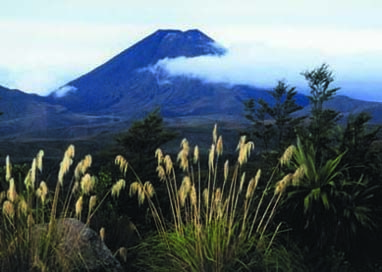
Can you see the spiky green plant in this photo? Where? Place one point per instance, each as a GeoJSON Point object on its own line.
{"type": "Point", "coordinates": [325, 205]}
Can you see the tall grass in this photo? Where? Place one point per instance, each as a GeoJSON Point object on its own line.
{"type": "Point", "coordinates": [31, 236]}
{"type": "Point", "coordinates": [220, 221]}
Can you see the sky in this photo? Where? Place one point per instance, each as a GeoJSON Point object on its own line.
{"type": "Point", "coordinates": [45, 44]}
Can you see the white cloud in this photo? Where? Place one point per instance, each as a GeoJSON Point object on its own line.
{"type": "Point", "coordinates": [62, 91]}
{"type": "Point", "coordinates": [262, 65]}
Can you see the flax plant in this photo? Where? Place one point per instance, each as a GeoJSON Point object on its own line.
{"type": "Point", "coordinates": [218, 218]}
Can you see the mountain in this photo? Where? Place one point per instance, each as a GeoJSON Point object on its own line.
{"type": "Point", "coordinates": [109, 83]}
{"type": "Point", "coordinates": [107, 99]}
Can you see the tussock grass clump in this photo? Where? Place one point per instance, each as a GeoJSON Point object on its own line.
{"type": "Point", "coordinates": [221, 221]}
{"type": "Point", "coordinates": [30, 232]}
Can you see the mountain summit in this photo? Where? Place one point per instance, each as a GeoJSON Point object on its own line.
{"type": "Point", "coordinates": [106, 84]}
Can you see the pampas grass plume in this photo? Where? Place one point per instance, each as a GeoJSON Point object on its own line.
{"type": "Point", "coordinates": [65, 164]}
{"type": "Point", "coordinates": [43, 191]}
{"type": "Point", "coordinates": [30, 220]}
{"type": "Point", "coordinates": [92, 202]}
{"type": "Point", "coordinates": [211, 158]}
{"type": "Point", "coordinates": [149, 189]}
{"type": "Point", "coordinates": [226, 169]}
{"type": "Point", "coordinates": [183, 155]}
{"type": "Point", "coordinates": [215, 134]}
{"type": "Point", "coordinates": [102, 234]}
{"type": "Point", "coordinates": [219, 146]}
{"type": "Point", "coordinates": [253, 184]}
{"type": "Point", "coordinates": [87, 184]}
{"type": "Point", "coordinates": [39, 158]}
{"type": "Point", "coordinates": [206, 197]}
{"type": "Point", "coordinates": [122, 163]}
{"type": "Point", "coordinates": [8, 170]}
{"type": "Point", "coordinates": [117, 187]}
{"type": "Point", "coordinates": [159, 155]}
{"type": "Point", "coordinates": [23, 207]}
{"type": "Point", "coordinates": [196, 154]}
{"type": "Point", "coordinates": [79, 206]}
{"type": "Point", "coordinates": [161, 173]}
{"type": "Point", "coordinates": [12, 194]}
{"type": "Point", "coordinates": [287, 156]}
{"type": "Point", "coordinates": [283, 183]}
{"type": "Point", "coordinates": [8, 209]}
{"type": "Point", "coordinates": [168, 164]}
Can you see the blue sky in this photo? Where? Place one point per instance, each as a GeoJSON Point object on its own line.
{"type": "Point", "coordinates": [45, 44]}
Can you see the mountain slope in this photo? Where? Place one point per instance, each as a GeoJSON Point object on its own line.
{"type": "Point", "coordinates": [108, 83]}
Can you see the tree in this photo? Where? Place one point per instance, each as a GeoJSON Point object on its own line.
{"type": "Point", "coordinates": [281, 112]}
{"type": "Point", "coordinates": [274, 120]}
{"type": "Point", "coordinates": [261, 128]}
{"type": "Point", "coordinates": [145, 136]}
{"type": "Point", "coordinates": [320, 129]}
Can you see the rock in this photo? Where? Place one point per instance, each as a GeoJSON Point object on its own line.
{"type": "Point", "coordinates": [79, 248]}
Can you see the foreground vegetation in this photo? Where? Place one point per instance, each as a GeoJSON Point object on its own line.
{"type": "Point", "coordinates": [307, 199]}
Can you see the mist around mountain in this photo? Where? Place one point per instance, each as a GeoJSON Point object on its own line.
{"type": "Point", "coordinates": [130, 85]}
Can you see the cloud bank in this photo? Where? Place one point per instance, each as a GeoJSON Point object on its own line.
{"type": "Point", "coordinates": [262, 65]}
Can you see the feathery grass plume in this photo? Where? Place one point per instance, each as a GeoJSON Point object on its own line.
{"type": "Point", "coordinates": [65, 164]}
{"type": "Point", "coordinates": [39, 157]}
{"type": "Point", "coordinates": [79, 206]}
{"type": "Point", "coordinates": [102, 234]}
{"type": "Point", "coordinates": [298, 175]}
{"type": "Point", "coordinates": [226, 169]}
{"type": "Point", "coordinates": [196, 154]}
{"type": "Point", "coordinates": [33, 173]}
{"type": "Point", "coordinates": [12, 194]}
{"type": "Point", "coordinates": [69, 152]}
{"type": "Point", "coordinates": [22, 206]}
{"type": "Point", "coordinates": [8, 171]}
{"type": "Point", "coordinates": [245, 149]}
{"type": "Point", "coordinates": [241, 182]}
{"type": "Point", "coordinates": [168, 164]}
{"type": "Point", "coordinates": [211, 158]}
{"type": "Point", "coordinates": [193, 197]}
{"type": "Point", "coordinates": [141, 195]}
{"type": "Point", "coordinates": [215, 134]}
{"type": "Point", "coordinates": [42, 191]}
{"type": "Point", "coordinates": [8, 209]}
{"type": "Point", "coordinates": [283, 183]}
{"type": "Point", "coordinates": [122, 252]}
{"type": "Point", "coordinates": [206, 197]}
{"type": "Point", "coordinates": [184, 190]}
{"type": "Point", "coordinates": [117, 187]}
{"type": "Point", "coordinates": [183, 155]}
{"type": "Point", "coordinates": [161, 173]}
{"type": "Point", "coordinates": [82, 166]}
{"type": "Point", "coordinates": [3, 195]}
{"type": "Point", "coordinates": [219, 146]}
{"type": "Point", "coordinates": [28, 179]}
{"type": "Point", "coordinates": [76, 187]}
{"type": "Point", "coordinates": [134, 188]}
{"type": "Point", "coordinates": [30, 220]}
{"type": "Point", "coordinates": [122, 163]}
{"type": "Point", "coordinates": [159, 155]}
{"type": "Point", "coordinates": [149, 189]}
{"type": "Point", "coordinates": [87, 184]}
{"type": "Point", "coordinates": [92, 202]}
{"type": "Point", "coordinates": [218, 196]}
{"type": "Point", "coordinates": [253, 184]}
{"type": "Point", "coordinates": [287, 156]}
